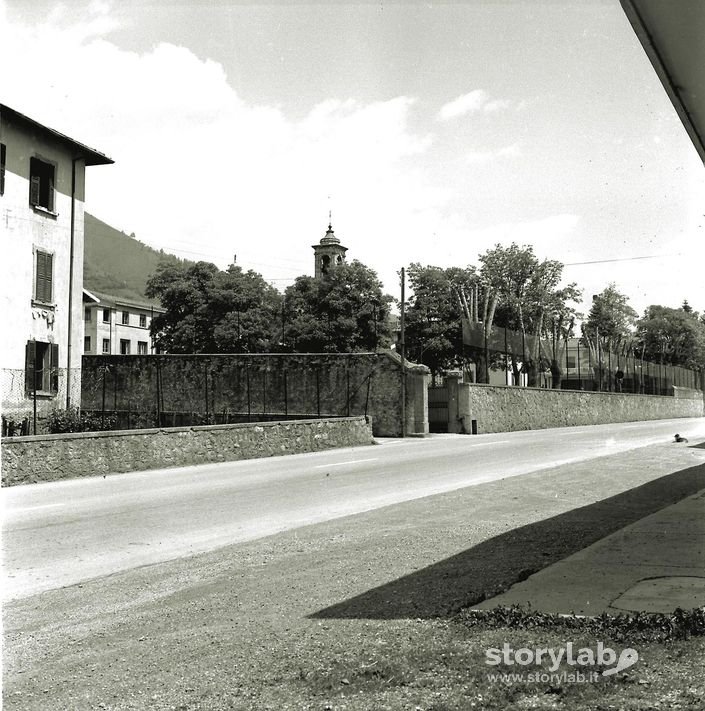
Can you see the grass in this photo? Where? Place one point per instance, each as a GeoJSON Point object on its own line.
{"type": "Point", "coordinates": [440, 666]}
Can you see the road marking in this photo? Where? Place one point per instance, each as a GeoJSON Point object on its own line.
{"type": "Point", "coordinates": [487, 444]}
{"type": "Point", "coordinates": [340, 464]}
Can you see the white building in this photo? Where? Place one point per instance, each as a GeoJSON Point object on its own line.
{"type": "Point", "coordinates": [42, 192]}
{"type": "Point", "coordinates": [116, 326]}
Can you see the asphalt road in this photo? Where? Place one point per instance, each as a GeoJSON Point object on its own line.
{"type": "Point", "coordinates": [61, 533]}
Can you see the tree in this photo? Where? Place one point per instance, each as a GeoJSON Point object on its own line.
{"type": "Point", "coordinates": [341, 312]}
{"type": "Point", "coordinates": [434, 334]}
{"type": "Point", "coordinates": [211, 311]}
{"type": "Point", "coordinates": [608, 329]}
{"type": "Point", "coordinates": [524, 293]}
{"type": "Point", "coordinates": [672, 336]}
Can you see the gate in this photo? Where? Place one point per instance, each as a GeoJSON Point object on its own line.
{"type": "Point", "coordinates": [438, 408]}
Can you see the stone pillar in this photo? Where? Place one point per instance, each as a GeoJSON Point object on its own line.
{"type": "Point", "coordinates": [453, 381]}
{"type": "Point", "coordinates": [417, 379]}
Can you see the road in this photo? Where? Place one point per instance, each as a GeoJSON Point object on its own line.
{"type": "Point", "coordinates": [61, 533]}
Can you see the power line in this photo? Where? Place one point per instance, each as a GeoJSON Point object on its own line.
{"type": "Point", "coordinates": [623, 259]}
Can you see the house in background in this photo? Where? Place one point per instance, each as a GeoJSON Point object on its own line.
{"type": "Point", "coordinates": [42, 192]}
{"type": "Point", "coordinates": [116, 326]}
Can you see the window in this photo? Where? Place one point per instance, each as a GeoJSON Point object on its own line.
{"type": "Point", "coordinates": [3, 151]}
{"type": "Point", "coordinates": [124, 346]}
{"type": "Point", "coordinates": [41, 184]}
{"type": "Point", "coordinates": [43, 277]}
{"type": "Point", "coordinates": [143, 321]}
{"type": "Point", "coordinates": [87, 314]}
{"type": "Point", "coordinates": [125, 318]}
{"type": "Point", "coordinates": [106, 345]}
{"type": "Point", "coordinates": [142, 347]}
{"type": "Point", "coordinates": [86, 344]}
{"type": "Point", "coordinates": [106, 315]}
{"type": "Point", "coordinates": [42, 367]}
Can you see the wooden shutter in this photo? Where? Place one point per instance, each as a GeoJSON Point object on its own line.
{"type": "Point", "coordinates": [50, 197]}
{"type": "Point", "coordinates": [54, 367]}
{"type": "Point", "coordinates": [34, 190]}
{"type": "Point", "coordinates": [3, 151]}
{"type": "Point", "coordinates": [45, 271]}
{"type": "Point", "coordinates": [30, 367]}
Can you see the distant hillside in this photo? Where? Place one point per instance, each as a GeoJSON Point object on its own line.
{"type": "Point", "coordinates": [117, 264]}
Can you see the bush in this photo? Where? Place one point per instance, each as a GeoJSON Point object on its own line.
{"type": "Point", "coordinates": [72, 420]}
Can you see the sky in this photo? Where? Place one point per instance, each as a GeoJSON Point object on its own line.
{"type": "Point", "coordinates": [431, 131]}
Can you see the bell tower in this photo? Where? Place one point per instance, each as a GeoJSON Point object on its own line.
{"type": "Point", "coordinates": [328, 253]}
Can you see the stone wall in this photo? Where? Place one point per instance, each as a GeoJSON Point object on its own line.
{"type": "Point", "coordinates": [507, 409]}
{"type": "Point", "coordinates": [233, 387]}
{"type": "Point", "coordinates": [50, 457]}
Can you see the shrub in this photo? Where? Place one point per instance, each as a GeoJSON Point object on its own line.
{"type": "Point", "coordinates": [72, 420]}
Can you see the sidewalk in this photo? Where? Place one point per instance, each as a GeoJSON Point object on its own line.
{"type": "Point", "coordinates": [654, 565]}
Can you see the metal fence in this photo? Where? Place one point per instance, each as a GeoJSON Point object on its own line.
{"type": "Point", "coordinates": [571, 364]}
{"type": "Point", "coordinates": [171, 391]}
{"type": "Point", "coordinates": [28, 400]}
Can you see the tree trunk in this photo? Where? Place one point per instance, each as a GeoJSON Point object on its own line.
{"type": "Point", "coordinates": [556, 374]}
{"type": "Point", "coordinates": [532, 371]}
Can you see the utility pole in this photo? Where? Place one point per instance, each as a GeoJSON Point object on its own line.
{"type": "Point", "coordinates": [402, 352]}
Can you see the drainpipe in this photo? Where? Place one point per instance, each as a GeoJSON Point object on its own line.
{"type": "Point", "coordinates": [70, 307]}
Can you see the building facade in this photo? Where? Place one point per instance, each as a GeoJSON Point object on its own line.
{"type": "Point", "coordinates": [42, 192]}
{"type": "Point", "coordinates": [115, 326]}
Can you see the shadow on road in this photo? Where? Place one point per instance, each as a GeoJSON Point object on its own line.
{"type": "Point", "coordinates": [492, 566]}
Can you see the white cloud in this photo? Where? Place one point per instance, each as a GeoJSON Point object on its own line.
{"type": "Point", "coordinates": [200, 170]}
{"type": "Point", "coordinates": [484, 157]}
{"type": "Point", "coordinates": [473, 102]}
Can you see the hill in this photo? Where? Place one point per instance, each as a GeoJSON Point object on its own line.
{"type": "Point", "coordinates": [118, 264]}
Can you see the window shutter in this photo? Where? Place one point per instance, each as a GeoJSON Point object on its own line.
{"type": "Point", "coordinates": [34, 190]}
{"type": "Point", "coordinates": [44, 277]}
{"type": "Point", "coordinates": [30, 368]}
{"type": "Point", "coordinates": [50, 197]}
{"type": "Point", "coordinates": [54, 367]}
{"type": "Point", "coordinates": [49, 277]}
{"type": "Point", "coordinates": [3, 152]}
{"type": "Point", "coordinates": [40, 276]}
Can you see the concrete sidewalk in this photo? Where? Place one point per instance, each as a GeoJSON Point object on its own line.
{"type": "Point", "coordinates": [654, 565]}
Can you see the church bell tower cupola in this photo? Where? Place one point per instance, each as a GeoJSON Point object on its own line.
{"type": "Point", "coordinates": [328, 253]}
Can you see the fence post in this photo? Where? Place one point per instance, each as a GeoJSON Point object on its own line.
{"type": "Point", "coordinates": [159, 387]}
{"type": "Point", "coordinates": [34, 399]}
{"type": "Point", "coordinates": [205, 390]}
{"type": "Point", "coordinates": [609, 370]}
{"type": "Point", "coordinates": [264, 392]}
{"type": "Point", "coordinates": [249, 401]}
{"type": "Point", "coordinates": [286, 396]}
{"type": "Point", "coordinates": [318, 391]}
{"type": "Point", "coordinates": [102, 405]}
